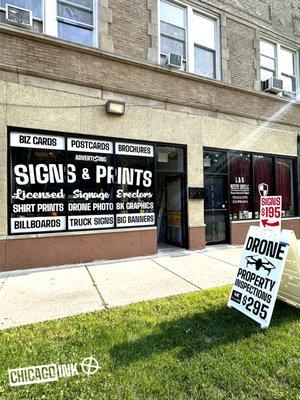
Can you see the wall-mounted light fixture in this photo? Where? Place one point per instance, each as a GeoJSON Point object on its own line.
{"type": "Point", "coordinates": [115, 107]}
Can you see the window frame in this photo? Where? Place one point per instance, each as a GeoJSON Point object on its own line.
{"type": "Point", "coordinates": [274, 157]}
{"type": "Point", "coordinates": [189, 39]}
{"type": "Point", "coordinates": [278, 70]}
{"type": "Point", "coordinates": [50, 20]}
{"type": "Point", "coordinates": [114, 163]}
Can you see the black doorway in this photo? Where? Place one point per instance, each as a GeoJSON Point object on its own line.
{"type": "Point", "coordinates": [216, 215]}
{"type": "Point", "coordinates": [171, 196]}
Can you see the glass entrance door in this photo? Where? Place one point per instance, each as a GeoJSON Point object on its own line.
{"type": "Point", "coordinates": [171, 196]}
{"type": "Point", "coordinates": [216, 209]}
{"type": "Point", "coordinates": [173, 190]}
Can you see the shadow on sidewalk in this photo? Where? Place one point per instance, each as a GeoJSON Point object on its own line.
{"type": "Point", "coordinates": [198, 333]}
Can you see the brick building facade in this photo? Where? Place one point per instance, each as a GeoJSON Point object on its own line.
{"type": "Point", "coordinates": [210, 132]}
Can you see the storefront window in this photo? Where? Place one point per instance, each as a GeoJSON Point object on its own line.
{"type": "Point", "coordinates": [215, 162]}
{"type": "Point", "coordinates": [249, 177]}
{"type": "Point", "coordinates": [134, 184]}
{"type": "Point", "coordinates": [38, 199]}
{"type": "Point", "coordinates": [239, 186]}
{"type": "Point", "coordinates": [90, 184]}
{"type": "Point", "coordinates": [284, 185]}
{"type": "Point", "coordinates": [169, 159]}
{"type": "Point", "coordinates": [72, 182]}
{"type": "Point", "coordinates": [263, 173]}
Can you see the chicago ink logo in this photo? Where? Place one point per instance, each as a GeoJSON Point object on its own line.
{"type": "Point", "coordinates": [260, 262]}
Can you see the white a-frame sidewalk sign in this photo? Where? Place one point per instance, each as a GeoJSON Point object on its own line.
{"type": "Point", "coordinates": [269, 266]}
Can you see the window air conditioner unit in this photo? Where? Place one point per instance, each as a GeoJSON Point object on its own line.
{"type": "Point", "coordinates": [272, 85]}
{"type": "Point", "coordinates": [18, 16]}
{"type": "Point", "coordinates": [174, 60]}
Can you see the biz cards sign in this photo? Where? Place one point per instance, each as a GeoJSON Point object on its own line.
{"type": "Point", "coordinates": [70, 183]}
{"type": "Point", "coordinates": [259, 274]}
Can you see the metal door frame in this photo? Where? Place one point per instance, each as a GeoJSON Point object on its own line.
{"type": "Point", "coordinates": [181, 177]}
{"type": "Point", "coordinates": [226, 212]}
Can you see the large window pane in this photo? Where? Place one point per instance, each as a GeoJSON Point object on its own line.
{"type": "Point", "coordinates": [215, 162]}
{"type": "Point", "coordinates": [172, 46]}
{"type": "Point", "coordinates": [172, 30]}
{"type": "Point", "coordinates": [267, 62]}
{"type": "Point", "coordinates": [263, 173]}
{"type": "Point", "coordinates": [204, 62]}
{"type": "Point", "coordinates": [73, 183]}
{"type": "Point", "coordinates": [74, 14]}
{"type": "Point", "coordinates": [267, 49]}
{"type": "Point", "coordinates": [239, 186]}
{"type": "Point", "coordinates": [37, 193]}
{"type": "Point", "coordinates": [90, 195]}
{"type": "Point", "coordinates": [284, 185]}
{"type": "Point", "coordinates": [34, 5]}
{"type": "Point", "coordinates": [204, 31]}
{"type": "Point", "coordinates": [265, 74]}
{"type": "Point", "coordinates": [286, 62]}
{"type": "Point", "coordinates": [75, 34]}
{"type": "Point", "coordinates": [134, 184]}
{"type": "Point", "coordinates": [288, 83]}
{"type": "Point", "coordinates": [172, 14]}
{"type": "Point", "coordinates": [169, 159]}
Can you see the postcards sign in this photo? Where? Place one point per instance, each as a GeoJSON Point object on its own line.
{"type": "Point", "coordinates": [60, 183]}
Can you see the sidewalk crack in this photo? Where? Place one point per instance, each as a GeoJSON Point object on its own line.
{"type": "Point", "coordinates": [179, 276]}
{"type": "Point", "coordinates": [4, 281]}
{"type": "Point", "coordinates": [105, 305]}
{"type": "Point", "coordinates": [215, 258]}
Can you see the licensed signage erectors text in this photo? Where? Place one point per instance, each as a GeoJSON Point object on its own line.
{"type": "Point", "coordinates": [63, 183]}
{"type": "Point", "coordinates": [259, 273]}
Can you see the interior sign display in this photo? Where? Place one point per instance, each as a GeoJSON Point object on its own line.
{"type": "Point", "coordinates": [270, 212]}
{"type": "Point", "coordinates": [66, 183]}
{"type": "Point", "coordinates": [90, 184]}
{"type": "Point", "coordinates": [260, 269]}
{"type": "Point", "coordinates": [37, 192]}
{"type": "Point", "coordinates": [135, 186]}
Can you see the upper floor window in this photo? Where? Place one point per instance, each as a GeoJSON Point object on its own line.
{"type": "Point", "coordinates": [280, 62]}
{"type": "Point", "coordinates": [76, 21]}
{"type": "Point", "coordinates": [71, 20]}
{"type": "Point", "coordinates": [193, 35]}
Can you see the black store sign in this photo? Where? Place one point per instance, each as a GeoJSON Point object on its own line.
{"type": "Point", "coordinates": [71, 183]}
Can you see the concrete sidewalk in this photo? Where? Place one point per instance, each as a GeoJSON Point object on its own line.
{"type": "Point", "coordinates": [30, 296]}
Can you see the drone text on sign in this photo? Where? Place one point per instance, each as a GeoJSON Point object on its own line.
{"type": "Point", "coordinates": [270, 212]}
{"type": "Point", "coordinates": [259, 274]}
{"type": "Point", "coordinates": [67, 183]}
